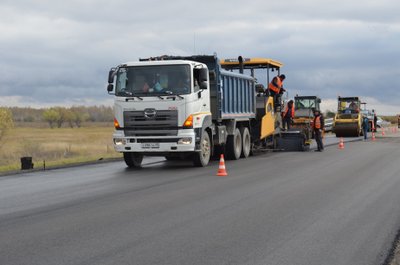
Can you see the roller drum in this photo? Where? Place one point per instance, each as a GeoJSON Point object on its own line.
{"type": "Point", "coordinates": [347, 130]}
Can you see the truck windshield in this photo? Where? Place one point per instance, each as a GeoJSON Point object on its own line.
{"type": "Point", "coordinates": [153, 80]}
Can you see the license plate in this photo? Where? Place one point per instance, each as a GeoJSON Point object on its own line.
{"type": "Point", "coordinates": [150, 145]}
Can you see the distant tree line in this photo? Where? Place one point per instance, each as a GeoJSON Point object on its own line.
{"type": "Point", "coordinates": [61, 116]}
{"type": "Point", "coordinates": [330, 114]}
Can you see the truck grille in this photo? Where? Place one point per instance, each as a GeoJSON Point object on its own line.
{"type": "Point", "coordinates": [151, 122]}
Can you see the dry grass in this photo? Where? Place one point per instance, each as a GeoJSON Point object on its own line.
{"type": "Point", "coordinates": [56, 146]}
{"type": "Point", "coordinates": [391, 119]}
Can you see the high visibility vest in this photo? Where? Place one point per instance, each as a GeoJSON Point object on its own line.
{"type": "Point", "coordinates": [291, 111]}
{"type": "Point", "coordinates": [272, 87]}
{"type": "Point", "coordinates": [317, 122]}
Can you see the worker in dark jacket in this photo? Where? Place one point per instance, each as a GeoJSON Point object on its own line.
{"type": "Point", "coordinates": [318, 128]}
{"type": "Point", "coordinates": [365, 127]}
{"type": "Point", "coordinates": [288, 115]}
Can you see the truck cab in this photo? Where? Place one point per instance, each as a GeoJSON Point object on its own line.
{"type": "Point", "coordinates": [157, 106]}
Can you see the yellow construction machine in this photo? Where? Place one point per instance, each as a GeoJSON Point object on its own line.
{"type": "Point", "coordinates": [267, 125]}
{"type": "Point", "coordinates": [348, 119]}
{"type": "Point", "coordinates": [304, 116]}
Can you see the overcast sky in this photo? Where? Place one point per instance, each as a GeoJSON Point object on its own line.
{"type": "Point", "coordinates": [59, 52]}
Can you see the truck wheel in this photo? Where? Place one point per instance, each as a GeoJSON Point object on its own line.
{"type": "Point", "coordinates": [246, 142]}
{"type": "Point", "coordinates": [202, 158]}
{"type": "Point", "coordinates": [133, 160]}
{"type": "Point", "coordinates": [234, 145]}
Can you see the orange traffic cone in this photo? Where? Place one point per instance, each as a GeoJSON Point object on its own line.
{"type": "Point", "coordinates": [373, 136]}
{"type": "Point", "coordinates": [221, 169]}
{"type": "Point", "coordinates": [341, 144]}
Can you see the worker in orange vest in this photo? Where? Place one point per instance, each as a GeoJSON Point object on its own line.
{"type": "Point", "coordinates": [288, 115]}
{"type": "Point", "coordinates": [318, 127]}
{"type": "Point", "coordinates": [275, 89]}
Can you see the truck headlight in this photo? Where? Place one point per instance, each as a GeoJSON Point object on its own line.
{"type": "Point", "coordinates": [186, 140]}
{"type": "Point", "coordinates": [119, 141]}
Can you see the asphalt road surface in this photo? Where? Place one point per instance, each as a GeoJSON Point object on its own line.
{"type": "Point", "coordinates": [335, 207]}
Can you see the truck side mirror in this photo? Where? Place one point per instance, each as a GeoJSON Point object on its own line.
{"type": "Point", "coordinates": [203, 76]}
{"type": "Point", "coordinates": [110, 88]}
{"type": "Point", "coordinates": [111, 75]}
{"type": "Point", "coordinates": [319, 100]}
{"type": "Point", "coordinates": [203, 85]}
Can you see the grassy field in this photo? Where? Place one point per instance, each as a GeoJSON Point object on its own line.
{"type": "Point", "coordinates": [59, 146]}
{"type": "Point", "coordinates": [391, 119]}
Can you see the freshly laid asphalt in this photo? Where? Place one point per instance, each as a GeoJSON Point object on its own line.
{"type": "Point", "coordinates": [341, 206]}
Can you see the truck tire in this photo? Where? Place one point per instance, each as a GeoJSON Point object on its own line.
{"type": "Point", "coordinates": [234, 145]}
{"type": "Point", "coordinates": [246, 142]}
{"type": "Point", "coordinates": [133, 160]}
{"type": "Point", "coordinates": [202, 158]}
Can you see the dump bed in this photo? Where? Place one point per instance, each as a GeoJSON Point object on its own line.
{"type": "Point", "coordinates": [236, 96]}
{"type": "Point", "coordinates": [232, 94]}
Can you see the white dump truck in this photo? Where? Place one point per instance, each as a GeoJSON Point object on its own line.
{"type": "Point", "coordinates": [190, 108]}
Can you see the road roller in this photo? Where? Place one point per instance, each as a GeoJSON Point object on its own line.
{"type": "Point", "coordinates": [348, 119]}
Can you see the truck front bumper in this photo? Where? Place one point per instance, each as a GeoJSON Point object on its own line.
{"type": "Point", "coordinates": [184, 142]}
